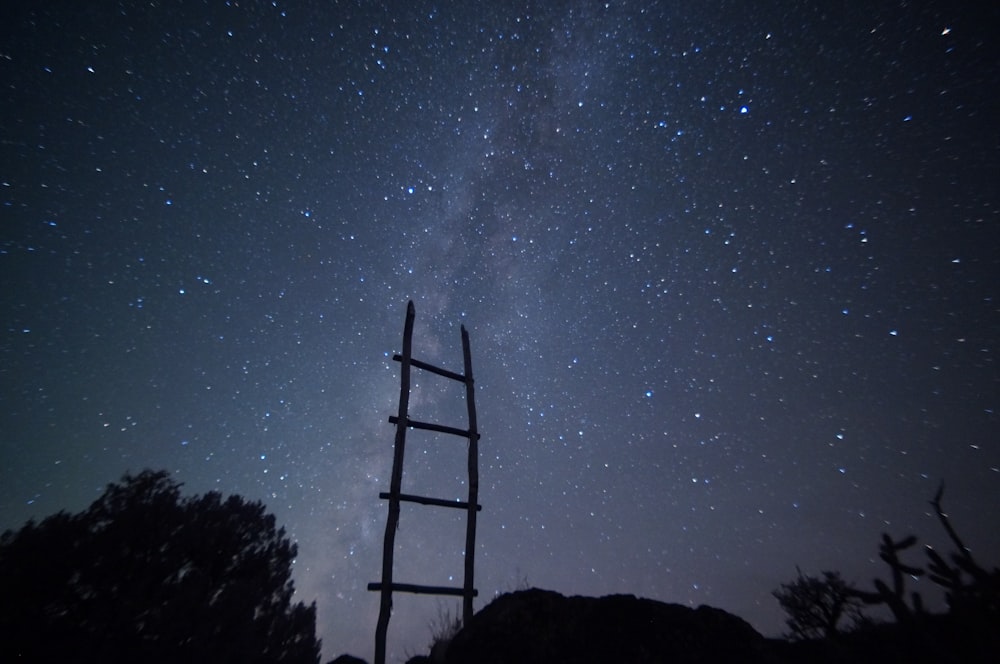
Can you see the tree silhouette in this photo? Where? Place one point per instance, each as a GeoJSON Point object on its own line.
{"type": "Point", "coordinates": [971, 590]}
{"type": "Point", "coordinates": [144, 575]}
{"type": "Point", "coordinates": [816, 606]}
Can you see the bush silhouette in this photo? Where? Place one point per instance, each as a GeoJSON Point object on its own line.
{"type": "Point", "coordinates": [144, 575]}
{"type": "Point", "coordinates": [971, 590]}
{"type": "Point", "coordinates": [815, 606]}
{"type": "Point", "coordinates": [968, 632]}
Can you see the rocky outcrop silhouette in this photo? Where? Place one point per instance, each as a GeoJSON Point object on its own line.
{"type": "Point", "coordinates": [535, 626]}
{"type": "Point", "coordinates": [347, 659]}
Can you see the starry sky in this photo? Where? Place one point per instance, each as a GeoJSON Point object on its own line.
{"type": "Point", "coordinates": [730, 273]}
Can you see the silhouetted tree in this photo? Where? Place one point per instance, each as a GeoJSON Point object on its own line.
{"type": "Point", "coordinates": [969, 587]}
{"type": "Point", "coordinates": [144, 575]}
{"type": "Point", "coordinates": [971, 590]}
{"type": "Point", "coordinates": [816, 606]}
{"type": "Point", "coordinates": [895, 597]}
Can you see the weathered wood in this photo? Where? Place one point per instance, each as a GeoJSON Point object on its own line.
{"type": "Point", "coordinates": [395, 484]}
{"type": "Point", "coordinates": [430, 426]}
{"type": "Point", "coordinates": [470, 527]}
{"type": "Point", "coordinates": [431, 368]}
{"type": "Point", "coordinates": [424, 500]}
{"type": "Point", "coordinates": [422, 590]}
{"type": "Point", "coordinates": [386, 586]}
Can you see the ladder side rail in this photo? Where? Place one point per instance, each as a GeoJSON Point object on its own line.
{"type": "Point", "coordinates": [395, 485]}
{"type": "Point", "coordinates": [473, 463]}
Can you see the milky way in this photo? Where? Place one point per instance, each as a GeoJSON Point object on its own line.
{"type": "Point", "coordinates": [729, 273]}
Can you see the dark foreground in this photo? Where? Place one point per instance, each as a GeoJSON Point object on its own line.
{"type": "Point", "coordinates": [540, 626]}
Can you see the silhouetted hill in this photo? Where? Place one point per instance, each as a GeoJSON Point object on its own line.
{"type": "Point", "coordinates": [542, 626]}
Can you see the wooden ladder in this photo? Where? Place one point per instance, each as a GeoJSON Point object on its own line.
{"type": "Point", "coordinates": [395, 496]}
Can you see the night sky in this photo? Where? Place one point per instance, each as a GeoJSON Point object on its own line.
{"type": "Point", "coordinates": [729, 269]}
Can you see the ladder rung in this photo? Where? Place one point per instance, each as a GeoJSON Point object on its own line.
{"type": "Point", "coordinates": [423, 590]}
{"type": "Point", "coordinates": [433, 369]}
{"type": "Point", "coordinates": [424, 500]}
{"type": "Point", "coordinates": [440, 428]}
